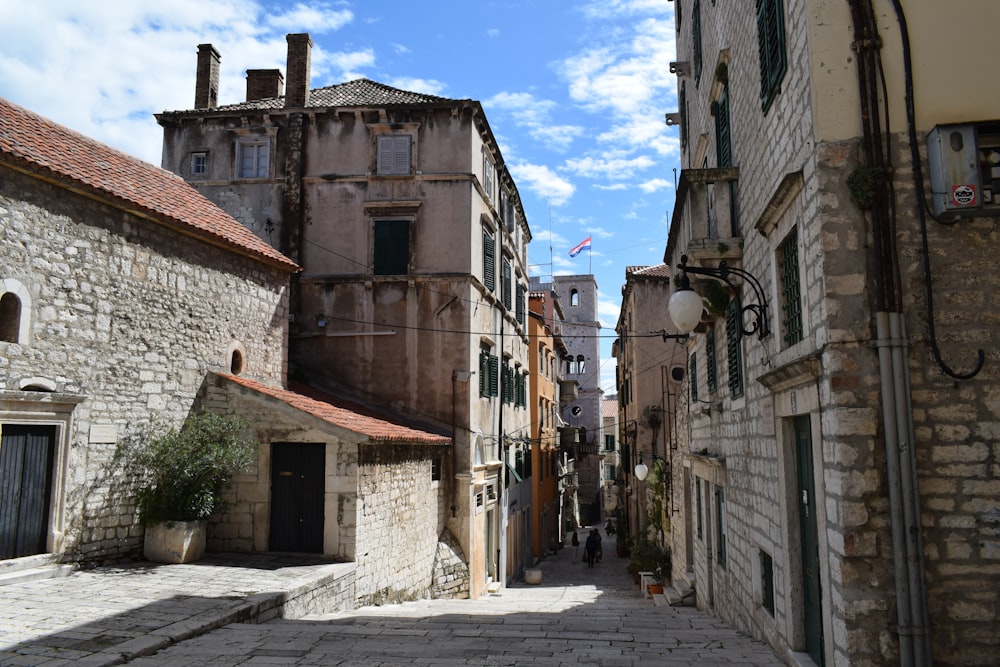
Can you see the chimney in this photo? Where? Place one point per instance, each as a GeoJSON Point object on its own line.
{"type": "Point", "coordinates": [299, 55]}
{"type": "Point", "coordinates": [206, 87]}
{"type": "Point", "coordinates": [264, 83]}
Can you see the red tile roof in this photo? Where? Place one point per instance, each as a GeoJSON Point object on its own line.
{"type": "Point", "coordinates": [36, 145]}
{"type": "Point", "coordinates": [609, 407]}
{"type": "Point", "coordinates": [343, 413]}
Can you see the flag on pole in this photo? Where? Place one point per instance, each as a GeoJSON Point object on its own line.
{"type": "Point", "coordinates": [583, 245]}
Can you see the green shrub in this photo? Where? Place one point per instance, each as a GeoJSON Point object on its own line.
{"type": "Point", "coordinates": [186, 471]}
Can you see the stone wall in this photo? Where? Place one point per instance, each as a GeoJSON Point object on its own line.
{"type": "Point", "coordinates": [126, 317]}
{"type": "Point", "coordinates": [397, 524]}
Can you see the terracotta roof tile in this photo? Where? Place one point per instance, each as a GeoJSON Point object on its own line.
{"type": "Point", "coordinates": [609, 407]}
{"type": "Point", "coordinates": [38, 145]}
{"type": "Point", "coordinates": [379, 429]}
{"type": "Point", "coordinates": [655, 271]}
{"type": "Point", "coordinates": [356, 93]}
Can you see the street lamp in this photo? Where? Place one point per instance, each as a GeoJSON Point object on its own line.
{"type": "Point", "coordinates": [685, 305]}
{"type": "Point", "coordinates": [641, 470]}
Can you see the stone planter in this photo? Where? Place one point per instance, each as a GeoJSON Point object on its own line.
{"type": "Point", "coordinates": [532, 576]}
{"type": "Point", "coordinates": [175, 541]}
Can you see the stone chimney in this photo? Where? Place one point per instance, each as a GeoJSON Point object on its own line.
{"type": "Point", "coordinates": [264, 83]}
{"type": "Point", "coordinates": [206, 87]}
{"type": "Point", "coordinates": [297, 67]}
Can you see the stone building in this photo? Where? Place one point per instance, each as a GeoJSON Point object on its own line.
{"type": "Point", "coordinates": [411, 237]}
{"type": "Point", "coordinates": [581, 408]}
{"type": "Point", "coordinates": [120, 288]}
{"type": "Point", "coordinates": [651, 367]}
{"type": "Point", "coordinates": [545, 366]}
{"type": "Point", "coordinates": [838, 480]}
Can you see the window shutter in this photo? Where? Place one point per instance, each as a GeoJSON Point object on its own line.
{"type": "Point", "coordinates": [519, 304]}
{"type": "Point", "coordinates": [696, 37]}
{"type": "Point", "coordinates": [771, 47]}
{"type": "Point", "coordinates": [506, 284]}
{"type": "Point", "coordinates": [710, 365]}
{"type": "Point", "coordinates": [484, 373]}
{"type": "Point", "coordinates": [494, 375]}
{"type": "Point", "coordinates": [733, 342]}
{"type": "Point", "coordinates": [393, 154]}
{"type": "Point", "coordinates": [723, 145]}
{"type": "Point", "coordinates": [489, 261]}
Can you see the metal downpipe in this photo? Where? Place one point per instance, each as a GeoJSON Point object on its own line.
{"type": "Point", "coordinates": [896, 513]}
{"type": "Point", "coordinates": [910, 492]}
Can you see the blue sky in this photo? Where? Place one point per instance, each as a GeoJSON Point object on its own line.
{"type": "Point", "coordinates": [574, 90]}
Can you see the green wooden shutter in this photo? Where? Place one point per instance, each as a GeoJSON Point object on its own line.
{"type": "Point", "coordinates": [771, 48]}
{"type": "Point", "coordinates": [734, 334]}
{"type": "Point", "coordinates": [723, 141]}
{"type": "Point", "coordinates": [494, 375]}
{"type": "Point", "coordinates": [489, 261]}
{"type": "Point", "coordinates": [506, 284]}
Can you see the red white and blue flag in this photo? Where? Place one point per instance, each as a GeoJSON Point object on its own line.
{"type": "Point", "coordinates": [583, 245]}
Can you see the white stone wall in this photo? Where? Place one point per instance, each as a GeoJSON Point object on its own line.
{"type": "Point", "coordinates": [126, 318]}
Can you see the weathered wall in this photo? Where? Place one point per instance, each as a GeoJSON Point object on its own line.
{"type": "Point", "coordinates": [126, 317]}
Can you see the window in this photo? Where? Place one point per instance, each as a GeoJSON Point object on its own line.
{"type": "Point", "coordinates": [506, 284]}
{"type": "Point", "coordinates": [489, 373]}
{"type": "Point", "coordinates": [720, 525]}
{"type": "Point", "coordinates": [791, 305]}
{"type": "Point", "coordinates": [521, 395]}
{"type": "Point", "coordinates": [581, 364]}
{"type": "Point", "coordinates": [771, 45]}
{"type": "Point", "coordinates": [696, 37]}
{"type": "Point", "coordinates": [723, 142]}
{"type": "Point", "coordinates": [609, 442]}
{"type": "Point", "coordinates": [394, 155]}
{"type": "Point", "coordinates": [199, 163]}
{"type": "Point", "coordinates": [693, 375]}
{"type": "Point", "coordinates": [253, 159]}
{"type": "Point", "coordinates": [734, 349]}
{"type": "Point", "coordinates": [489, 261]}
{"type": "Point", "coordinates": [710, 366]}
{"type": "Point", "coordinates": [697, 510]}
{"type": "Point", "coordinates": [488, 176]}
{"type": "Point", "coordinates": [767, 582]}
{"type": "Point", "coordinates": [436, 469]}
{"type": "Point", "coordinates": [392, 247]}
{"type": "Point", "coordinates": [519, 303]}
{"type": "Point", "coordinates": [682, 105]}
{"type": "Point", "coordinates": [574, 297]}
{"type": "Point", "coordinates": [10, 318]}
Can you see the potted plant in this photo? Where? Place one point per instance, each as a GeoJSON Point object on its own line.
{"type": "Point", "coordinates": [183, 474]}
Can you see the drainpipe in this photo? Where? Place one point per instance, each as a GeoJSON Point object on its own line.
{"type": "Point", "coordinates": [890, 421]}
{"type": "Point", "coordinates": [916, 586]}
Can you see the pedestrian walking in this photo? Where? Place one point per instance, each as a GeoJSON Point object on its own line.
{"type": "Point", "coordinates": [576, 545]}
{"type": "Point", "coordinates": [591, 548]}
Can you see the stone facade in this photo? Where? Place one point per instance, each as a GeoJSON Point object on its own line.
{"type": "Point", "coordinates": [120, 318]}
{"type": "Point", "coordinates": [413, 245]}
{"type": "Point", "coordinates": [650, 372]}
{"type": "Point", "coordinates": [837, 486]}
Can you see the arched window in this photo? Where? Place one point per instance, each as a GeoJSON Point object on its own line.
{"type": "Point", "coordinates": [574, 297]}
{"type": "Point", "coordinates": [581, 364]}
{"type": "Point", "coordinates": [10, 318]}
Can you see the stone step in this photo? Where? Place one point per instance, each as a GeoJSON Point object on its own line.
{"type": "Point", "coordinates": [675, 598]}
{"type": "Point", "coordinates": [32, 568]}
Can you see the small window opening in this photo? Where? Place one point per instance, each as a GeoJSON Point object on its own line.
{"type": "Point", "coordinates": [236, 362]}
{"type": "Point", "coordinates": [10, 318]}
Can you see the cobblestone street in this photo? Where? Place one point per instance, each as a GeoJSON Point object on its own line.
{"type": "Point", "coordinates": [577, 615]}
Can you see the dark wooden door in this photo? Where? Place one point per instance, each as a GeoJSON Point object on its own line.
{"type": "Point", "coordinates": [813, 597]}
{"type": "Point", "coordinates": [26, 455]}
{"type": "Point", "coordinates": [297, 484]}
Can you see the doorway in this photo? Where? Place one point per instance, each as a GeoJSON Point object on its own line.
{"type": "Point", "coordinates": [26, 457]}
{"type": "Point", "coordinates": [297, 495]}
{"type": "Point", "coordinates": [812, 591]}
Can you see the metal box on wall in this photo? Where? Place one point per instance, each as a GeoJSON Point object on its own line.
{"type": "Point", "coordinates": [964, 164]}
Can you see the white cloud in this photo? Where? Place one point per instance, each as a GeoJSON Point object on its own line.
{"type": "Point", "coordinates": [610, 168]}
{"type": "Point", "coordinates": [535, 115]}
{"type": "Point", "coordinates": [655, 184]}
{"type": "Point", "coordinates": [416, 85]}
{"type": "Point", "coordinates": [605, 9]}
{"type": "Point", "coordinates": [492, 32]}
{"type": "Point", "coordinates": [544, 182]}
{"type": "Point", "coordinates": [400, 49]}
{"type": "Point", "coordinates": [104, 71]}
{"type": "Point", "coordinates": [314, 19]}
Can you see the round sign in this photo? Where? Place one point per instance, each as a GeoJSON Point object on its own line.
{"type": "Point", "coordinates": [963, 195]}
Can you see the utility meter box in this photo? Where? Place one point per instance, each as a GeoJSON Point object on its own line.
{"type": "Point", "coordinates": [964, 162]}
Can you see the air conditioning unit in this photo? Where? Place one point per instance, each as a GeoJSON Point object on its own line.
{"type": "Point", "coordinates": [964, 162]}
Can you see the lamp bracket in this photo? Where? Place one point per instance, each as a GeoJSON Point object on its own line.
{"type": "Point", "coordinates": [758, 320]}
